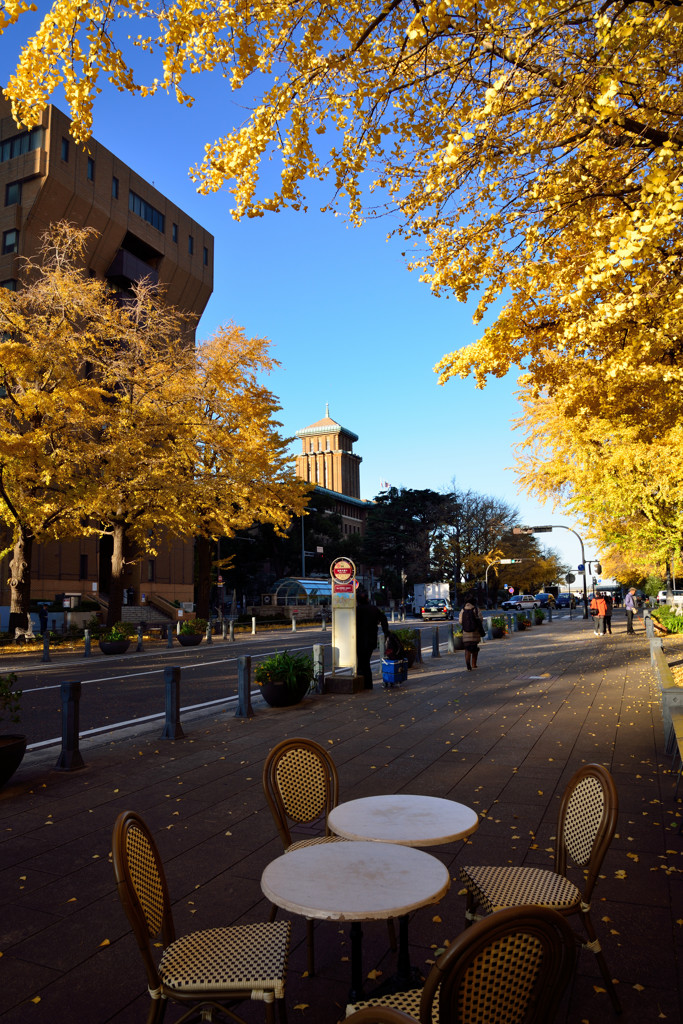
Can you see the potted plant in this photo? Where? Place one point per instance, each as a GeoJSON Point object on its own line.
{"type": "Point", "coordinates": [522, 621]}
{"type": "Point", "coordinates": [192, 632]}
{"type": "Point", "coordinates": [539, 616]}
{"type": "Point", "coordinates": [408, 640]}
{"type": "Point", "coordinates": [12, 745]}
{"type": "Point", "coordinates": [284, 678]}
{"type": "Point", "coordinates": [116, 639]}
{"type": "Point", "coordinates": [498, 625]}
{"type": "Point", "coordinates": [458, 642]}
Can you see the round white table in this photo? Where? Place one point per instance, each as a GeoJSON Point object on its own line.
{"type": "Point", "coordinates": [404, 818]}
{"type": "Point", "coordinates": [355, 881]}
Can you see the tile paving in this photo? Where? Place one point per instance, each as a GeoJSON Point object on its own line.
{"type": "Point", "coordinates": [504, 739]}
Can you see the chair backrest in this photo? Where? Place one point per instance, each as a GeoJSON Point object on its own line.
{"type": "Point", "coordinates": [142, 888]}
{"type": "Point", "coordinates": [511, 966]}
{"type": "Point", "coordinates": [587, 822]}
{"type": "Point", "coordinates": [301, 784]}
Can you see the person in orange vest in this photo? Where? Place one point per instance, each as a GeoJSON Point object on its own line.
{"type": "Point", "coordinates": [600, 606]}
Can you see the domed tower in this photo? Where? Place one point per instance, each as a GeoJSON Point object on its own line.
{"type": "Point", "coordinates": [327, 460]}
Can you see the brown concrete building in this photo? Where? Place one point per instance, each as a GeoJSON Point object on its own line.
{"type": "Point", "coordinates": [45, 177]}
{"type": "Point", "coordinates": [327, 460]}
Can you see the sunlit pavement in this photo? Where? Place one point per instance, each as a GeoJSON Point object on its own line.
{"type": "Point", "coordinates": [504, 739]}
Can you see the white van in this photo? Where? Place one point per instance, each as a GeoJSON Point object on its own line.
{"type": "Point", "coordinates": [662, 596]}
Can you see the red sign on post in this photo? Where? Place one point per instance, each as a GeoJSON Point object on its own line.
{"type": "Point", "coordinates": [342, 570]}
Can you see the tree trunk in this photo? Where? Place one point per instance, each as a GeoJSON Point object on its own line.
{"type": "Point", "coordinates": [20, 581]}
{"type": "Point", "coordinates": [117, 566]}
{"type": "Point", "coordinates": [202, 551]}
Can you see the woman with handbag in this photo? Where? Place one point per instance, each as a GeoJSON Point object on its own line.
{"type": "Point", "coordinates": [472, 631]}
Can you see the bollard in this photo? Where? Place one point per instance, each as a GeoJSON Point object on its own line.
{"type": "Point", "coordinates": [649, 628]}
{"type": "Point", "coordinates": [139, 645]}
{"type": "Point", "coordinates": [382, 645]}
{"type": "Point", "coordinates": [177, 627]}
{"type": "Point", "coordinates": [530, 617]}
{"type": "Point", "coordinates": [169, 636]}
{"type": "Point", "coordinates": [173, 730]}
{"type": "Point", "coordinates": [319, 668]}
{"type": "Point", "coordinates": [418, 647]}
{"type": "Point", "coordinates": [86, 643]}
{"type": "Point", "coordinates": [46, 646]}
{"type": "Point", "coordinates": [70, 758]}
{"type": "Point", "coordinates": [232, 630]}
{"type": "Point", "coordinates": [489, 627]}
{"type": "Point", "coordinates": [550, 613]}
{"type": "Point", "coordinates": [515, 623]}
{"type": "Point", "coordinates": [224, 629]}
{"type": "Point", "coordinates": [253, 625]}
{"type": "Point", "coordinates": [324, 626]}
{"type": "Point", "coordinates": [244, 708]}
{"type": "Point", "coordinates": [436, 653]}
{"type": "Point", "coordinates": [451, 640]}
{"type": "Point", "coordinates": [293, 624]}
{"type": "Point", "coordinates": [209, 631]}
{"type": "Point", "coordinates": [393, 615]}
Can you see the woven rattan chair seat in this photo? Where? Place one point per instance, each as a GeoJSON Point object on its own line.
{"type": "Point", "coordinates": [498, 887]}
{"type": "Point", "coordinates": [316, 841]}
{"type": "Point", "coordinates": [244, 958]}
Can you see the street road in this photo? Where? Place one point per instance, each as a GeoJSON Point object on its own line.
{"type": "Point", "coordinates": [118, 691]}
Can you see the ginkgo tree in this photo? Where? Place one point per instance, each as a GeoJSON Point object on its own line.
{"type": "Point", "coordinates": [109, 416]}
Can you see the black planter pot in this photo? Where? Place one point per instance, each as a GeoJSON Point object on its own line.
{"type": "Point", "coordinates": [410, 653]}
{"type": "Point", "coordinates": [458, 642]}
{"type": "Point", "coordinates": [189, 639]}
{"type": "Point", "coordinates": [114, 646]}
{"type": "Point", "coordinates": [12, 750]}
{"type": "Point", "coordinates": [497, 632]}
{"type": "Point", "coordinates": [279, 695]}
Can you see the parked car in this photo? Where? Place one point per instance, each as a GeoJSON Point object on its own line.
{"type": "Point", "coordinates": [543, 600]}
{"type": "Point", "coordinates": [662, 596]}
{"type": "Point", "coordinates": [520, 602]}
{"type": "Point", "coordinates": [437, 608]}
{"type": "Point", "coordinates": [563, 600]}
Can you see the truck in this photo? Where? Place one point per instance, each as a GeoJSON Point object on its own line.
{"type": "Point", "coordinates": [424, 591]}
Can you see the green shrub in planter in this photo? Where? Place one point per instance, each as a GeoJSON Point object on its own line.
{"type": "Point", "coordinates": [190, 626]}
{"type": "Point", "coordinates": [294, 670]}
{"type": "Point", "coordinates": [119, 631]}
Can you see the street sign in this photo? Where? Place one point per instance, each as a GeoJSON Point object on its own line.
{"type": "Point", "coordinates": [582, 568]}
{"type": "Point", "coordinates": [511, 590]}
{"type": "Point", "coordinates": [522, 529]}
{"type": "Point", "coordinates": [541, 529]}
{"type": "Point", "coordinates": [570, 577]}
{"type": "Point", "coordinates": [510, 561]}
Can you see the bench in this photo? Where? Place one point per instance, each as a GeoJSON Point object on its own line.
{"type": "Point", "coordinates": [677, 734]}
{"type": "Point", "coordinates": [671, 697]}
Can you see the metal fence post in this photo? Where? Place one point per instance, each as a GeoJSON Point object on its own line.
{"type": "Point", "coordinates": [436, 653]}
{"type": "Point", "coordinates": [418, 646]}
{"type": "Point", "coordinates": [244, 708]}
{"type": "Point", "coordinates": [232, 630]}
{"type": "Point", "coordinates": [489, 628]}
{"type": "Point", "coordinates": [319, 667]}
{"type": "Point", "coordinates": [209, 637]}
{"type": "Point", "coordinates": [173, 730]}
{"type": "Point", "coordinates": [253, 625]}
{"type": "Point", "coordinates": [169, 636]}
{"type": "Point", "coordinates": [46, 646]}
{"type": "Point", "coordinates": [293, 624]}
{"type": "Point", "coordinates": [451, 640]}
{"type": "Point", "coordinates": [324, 624]}
{"type": "Point", "coordinates": [86, 643]}
{"type": "Point", "coordinates": [224, 629]}
{"type": "Point", "coordinates": [649, 628]}
{"type": "Point", "coordinates": [139, 645]}
{"type": "Point", "coordinates": [70, 758]}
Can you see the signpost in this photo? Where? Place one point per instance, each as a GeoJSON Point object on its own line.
{"type": "Point", "coordinates": [558, 526]}
{"type": "Point", "coordinates": [343, 573]}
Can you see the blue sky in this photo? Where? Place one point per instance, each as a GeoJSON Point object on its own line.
{"type": "Point", "coordinates": [348, 322]}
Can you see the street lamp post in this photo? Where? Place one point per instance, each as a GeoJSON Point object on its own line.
{"type": "Point", "coordinates": [559, 526]}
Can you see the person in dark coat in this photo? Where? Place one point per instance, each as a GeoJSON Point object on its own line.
{"type": "Point", "coordinates": [368, 619]}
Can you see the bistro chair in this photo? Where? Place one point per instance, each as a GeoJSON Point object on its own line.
{"type": "Point", "coordinates": [512, 966]}
{"type": "Point", "coordinates": [586, 824]}
{"type": "Point", "coordinates": [207, 971]}
{"type": "Point", "coordinates": [380, 1015]}
{"type": "Point", "coordinates": [301, 785]}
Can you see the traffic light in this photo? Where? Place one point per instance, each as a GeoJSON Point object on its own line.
{"type": "Point", "coordinates": [598, 569]}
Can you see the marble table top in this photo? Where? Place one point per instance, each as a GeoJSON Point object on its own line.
{"type": "Point", "coordinates": [355, 881]}
{"type": "Point", "coordinates": [404, 818]}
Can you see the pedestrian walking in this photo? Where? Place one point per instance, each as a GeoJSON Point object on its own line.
{"type": "Point", "coordinates": [593, 609]}
{"type": "Point", "coordinates": [631, 610]}
{"type": "Point", "coordinates": [472, 631]}
{"type": "Point", "coordinates": [608, 613]}
{"type": "Point", "coordinates": [368, 619]}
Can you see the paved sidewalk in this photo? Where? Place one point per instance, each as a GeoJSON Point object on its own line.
{"type": "Point", "coordinates": [504, 739]}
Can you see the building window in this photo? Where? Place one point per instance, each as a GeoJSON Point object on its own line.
{"type": "Point", "coordinates": [151, 569]}
{"type": "Point", "coordinates": [175, 233]}
{"type": "Point", "coordinates": [145, 210]}
{"type": "Point", "coordinates": [10, 284]}
{"type": "Point", "coordinates": [190, 244]}
{"type": "Point", "coordinates": [13, 193]}
{"type": "Point", "coordinates": [115, 188]}
{"type": "Point", "coordinates": [10, 241]}
{"type": "Point", "coordinates": [65, 149]}
{"type": "Point", "coordinates": [23, 143]}
{"type": "Point", "coordinates": [206, 257]}
{"type": "Point", "coordinates": [83, 567]}
{"type": "Point", "coordinates": [91, 169]}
